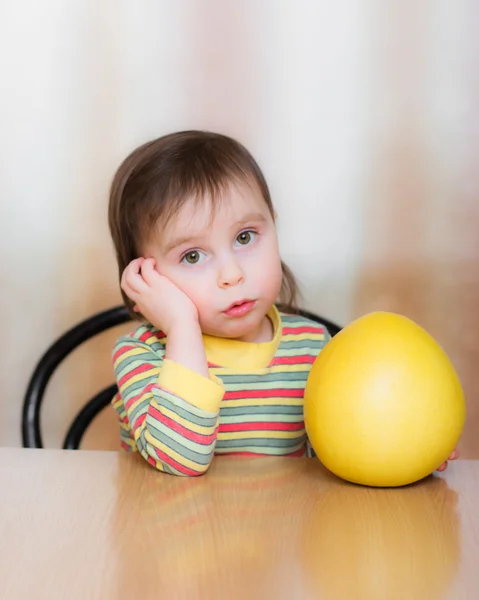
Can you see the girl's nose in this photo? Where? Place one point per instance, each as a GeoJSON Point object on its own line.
{"type": "Point", "coordinates": [230, 273]}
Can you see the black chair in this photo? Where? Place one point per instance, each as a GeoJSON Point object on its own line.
{"type": "Point", "coordinates": [31, 435]}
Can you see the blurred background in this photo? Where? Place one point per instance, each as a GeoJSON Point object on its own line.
{"type": "Point", "coordinates": [363, 115]}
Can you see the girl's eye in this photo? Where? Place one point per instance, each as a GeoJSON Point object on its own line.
{"type": "Point", "coordinates": [246, 237]}
{"type": "Point", "coordinates": [192, 257]}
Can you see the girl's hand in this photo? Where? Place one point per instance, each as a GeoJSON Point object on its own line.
{"type": "Point", "coordinates": [158, 299]}
{"type": "Point", "coordinates": [454, 454]}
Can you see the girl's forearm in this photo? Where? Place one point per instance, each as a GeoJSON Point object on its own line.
{"type": "Point", "coordinates": [185, 346]}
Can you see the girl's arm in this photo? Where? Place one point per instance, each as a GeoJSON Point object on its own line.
{"type": "Point", "coordinates": [169, 406]}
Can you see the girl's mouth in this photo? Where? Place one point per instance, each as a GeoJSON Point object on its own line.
{"type": "Point", "coordinates": [239, 309]}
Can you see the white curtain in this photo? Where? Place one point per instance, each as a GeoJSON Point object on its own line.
{"type": "Point", "coordinates": [363, 115]}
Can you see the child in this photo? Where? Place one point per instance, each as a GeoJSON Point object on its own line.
{"type": "Point", "coordinates": [216, 368]}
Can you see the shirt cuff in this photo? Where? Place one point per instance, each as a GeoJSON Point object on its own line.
{"type": "Point", "coordinates": [203, 392]}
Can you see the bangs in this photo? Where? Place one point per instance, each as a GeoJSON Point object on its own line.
{"type": "Point", "coordinates": [205, 179]}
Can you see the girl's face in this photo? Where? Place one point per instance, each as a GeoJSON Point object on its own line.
{"type": "Point", "coordinates": [227, 261]}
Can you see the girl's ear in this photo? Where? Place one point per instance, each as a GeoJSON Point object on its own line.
{"type": "Point", "coordinates": [275, 216]}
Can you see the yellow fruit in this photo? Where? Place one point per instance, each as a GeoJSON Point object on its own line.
{"type": "Point", "coordinates": [383, 405]}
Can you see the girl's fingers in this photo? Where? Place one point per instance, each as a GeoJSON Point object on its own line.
{"type": "Point", "coordinates": [454, 454]}
{"type": "Point", "coordinates": [132, 269]}
{"type": "Point", "coordinates": [131, 280]}
{"type": "Point", "coordinates": [148, 270]}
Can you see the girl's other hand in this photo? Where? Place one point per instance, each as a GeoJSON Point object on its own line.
{"type": "Point", "coordinates": [453, 456]}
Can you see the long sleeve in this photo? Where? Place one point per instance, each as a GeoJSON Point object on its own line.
{"type": "Point", "coordinates": [170, 412]}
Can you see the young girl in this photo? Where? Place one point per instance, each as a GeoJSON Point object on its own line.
{"type": "Point", "coordinates": [215, 368]}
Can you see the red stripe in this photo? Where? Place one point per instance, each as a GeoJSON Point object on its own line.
{"type": "Point", "coordinates": [116, 398]}
{"type": "Point", "coordinates": [144, 337]}
{"type": "Point", "coordinates": [294, 360]}
{"type": "Point", "coordinates": [298, 453]}
{"type": "Point", "coordinates": [264, 394]}
{"type": "Point", "coordinates": [173, 463]}
{"type": "Point", "coordinates": [299, 330]}
{"type": "Point", "coordinates": [139, 422]}
{"type": "Point", "coordinates": [133, 399]}
{"type": "Point", "coordinates": [121, 351]}
{"type": "Point", "coordinates": [140, 369]}
{"type": "Point", "coordinates": [125, 446]}
{"type": "Point", "coordinates": [262, 426]}
{"type": "Point", "coordinates": [198, 438]}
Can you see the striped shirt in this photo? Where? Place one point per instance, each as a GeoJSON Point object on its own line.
{"type": "Point", "coordinates": [252, 403]}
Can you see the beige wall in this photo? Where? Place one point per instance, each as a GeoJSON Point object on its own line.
{"type": "Point", "coordinates": [363, 115]}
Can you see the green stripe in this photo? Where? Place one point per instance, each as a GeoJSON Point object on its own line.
{"type": "Point", "coordinates": [179, 444]}
{"type": "Point", "coordinates": [287, 385]}
{"type": "Point", "coordinates": [283, 352]}
{"type": "Point", "coordinates": [272, 450]}
{"type": "Point", "coordinates": [138, 411]}
{"type": "Point", "coordinates": [156, 346]}
{"type": "Point", "coordinates": [267, 451]}
{"type": "Point", "coordinates": [259, 417]}
{"type": "Point", "coordinates": [261, 442]}
{"type": "Point", "coordinates": [176, 405]}
{"type": "Point", "coordinates": [184, 409]}
{"type": "Point", "coordinates": [269, 379]}
{"type": "Point", "coordinates": [303, 344]}
{"type": "Point", "coordinates": [260, 409]}
{"type": "Point", "coordinates": [150, 451]}
{"type": "Point", "coordinates": [129, 365]}
{"type": "Point", "coordinates": [135, 387]}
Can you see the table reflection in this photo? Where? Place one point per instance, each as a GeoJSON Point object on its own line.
{"type": "Point", "coordinates": [284, 529]}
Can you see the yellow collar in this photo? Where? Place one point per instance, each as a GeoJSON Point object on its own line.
{"type": "Point", "coordinates": [237, 355]}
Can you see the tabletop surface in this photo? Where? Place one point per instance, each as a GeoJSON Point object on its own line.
{"type": "Point", "coordinates": [107, 525]}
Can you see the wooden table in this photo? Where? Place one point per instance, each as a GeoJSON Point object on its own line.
{"type": "Point", "coordinates": [105, 525]}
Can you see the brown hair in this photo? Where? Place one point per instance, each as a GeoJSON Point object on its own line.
{"type": "Point", "coordinates": [157, 178]}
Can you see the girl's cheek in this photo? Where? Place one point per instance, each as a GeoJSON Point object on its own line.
{"type": "Point", "coordinates": [193, 276]}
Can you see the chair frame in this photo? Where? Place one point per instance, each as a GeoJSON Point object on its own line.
{"type": "Point", "coordinates": [59, 350]}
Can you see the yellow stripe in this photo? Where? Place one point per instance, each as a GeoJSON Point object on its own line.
{"type": "Point", "coordinates": [153, 339]}
{"type": "Point", "coordinates": [288, 337]}
{"type": "Point", "coordinates": [302, 368]}
{"type": "Point", "coordinates": [131, 351]}
{"type": "Point", "coordinates": [140, 377]}
{"type": "Point", "coordinates": [185, 423]}
{"type": "Point", "coordinates": [172, 415]}
{"type": "Point", "coordinates": [263, 402]}
{"type": "Point", "coordinates": [128, 354]}
{"type": "Point", "coordinates": [246, 435]}
{"type": "Point", "coordinates": [127, 439]}
{"type": "Point", "coordinates": [182, 460]}
{"type": "Point", "coordinates": [133, 406]}
{"type": "Point", "coordinates": [118, 404]}
{"type": "Point", "coordinates": [158, 465]}
{"type": "Point", "coordinates": [125, 427]}
{"type": "Point", "coordinates": [131, 445]}
{"type": "Point", "coordinates": [291, 337]}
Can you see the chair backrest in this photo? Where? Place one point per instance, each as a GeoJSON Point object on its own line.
{"type": "Point", "coordinates": [32, 403]}
{"type": "Point", "coordinates": [31, 434]}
